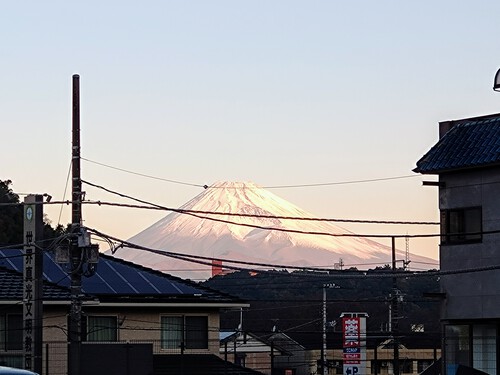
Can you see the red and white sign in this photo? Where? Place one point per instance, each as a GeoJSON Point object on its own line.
{"type": "Point", "coordinates": [351, 328]}
{"type": "Point", "coordinates": [354, 343]}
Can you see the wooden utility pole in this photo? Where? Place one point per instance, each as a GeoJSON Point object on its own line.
{"type": "Point", "coordinates": [75, 328]}
{"type": "Point", "coordinates": [394, 311]}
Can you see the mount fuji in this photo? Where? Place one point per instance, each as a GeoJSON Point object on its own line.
{"type": "Point", "coordinates": [186, 234]}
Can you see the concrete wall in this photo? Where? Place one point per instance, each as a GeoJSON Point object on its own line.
{"type": "Point", "coordinates": [383, 355]}
{"type": "Point", "coordinates": [137, 325]}
{"type": "Point", "coordinates": [140, 324]}
{"type": "Point", "coordinates": [472, 295]}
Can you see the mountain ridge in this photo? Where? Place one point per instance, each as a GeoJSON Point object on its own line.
{"type": "Point", "coordinates": [254, 241]}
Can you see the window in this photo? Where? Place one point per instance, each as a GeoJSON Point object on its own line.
{"type": "Point", "coordinates": [171, 332]}
{"type": "Point", "coordinates": [457, 346]}
{"type": "Point", "coordinates": [102, 328]}
{"type": "Point", "coordinates": [191, 332]}
{"type": "Point", "coordinates": [463, 225]}
{"type": "Point", "coordinates": [240, 359]}
{"type": "Point", "coordinates": [406, 366]}
{"type": "Point", "coordinates": [484, 344]}
{"type": "Point", "coordinates": [473, 345]}
{"type": "Point", "coordinates": [11, 332]}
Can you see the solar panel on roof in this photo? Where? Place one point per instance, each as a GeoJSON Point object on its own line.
{"type": "Point", "coordinates": [113, 276]}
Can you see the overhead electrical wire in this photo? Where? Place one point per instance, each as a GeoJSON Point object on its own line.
{"type": "Point", "coordinates": [298, 231]}
{"type": "Point", "coordinates": [338, 274]}
{"type": "Point", "coordinates": [201, 212]}
{"type": "Point", "coordinates": [246, 187]}
{"type": "Point", "coordinates": [153, 206]}
{"type": "Point", "coordinates": [340, 182]}
{"type": "Point", "coordinates": [196, 258]}
{"type": "Point", "coordinates": [64, 194]}
{"type": "Point", "coordinates": [142, 174]}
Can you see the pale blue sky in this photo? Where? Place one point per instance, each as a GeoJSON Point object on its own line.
{"type": "Point", "coordinates": [276, 92]}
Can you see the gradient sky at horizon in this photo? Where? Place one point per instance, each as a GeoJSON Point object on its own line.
{"type": "Point", "coordinates": [274, 92]}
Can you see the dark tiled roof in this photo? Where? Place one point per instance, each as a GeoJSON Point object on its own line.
{"type": "Point", "coordinates": [470, 143]}
{"type": "Point", "coordinates": [116, 278]}
{"type": "Point", "coordinates": [11, 288]}
{"type": "Point", "coordinates": [197, 364]}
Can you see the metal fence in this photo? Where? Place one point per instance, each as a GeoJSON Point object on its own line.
{"type": "Point", "coordinates": [55, 354]}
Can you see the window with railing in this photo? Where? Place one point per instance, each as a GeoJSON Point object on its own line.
{"type": "Point", "coordinates": [102, 328]}
{"type": "Point", "coordinates": [184, 331]}
{"type": "Point", "coordinates": [461, 225]}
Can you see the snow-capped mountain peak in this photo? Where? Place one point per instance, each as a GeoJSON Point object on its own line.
{"type": "Point", "coordinates": [213, 235]}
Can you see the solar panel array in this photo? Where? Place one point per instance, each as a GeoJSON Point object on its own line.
{"type": "Point", "coordinates": [114, 277]}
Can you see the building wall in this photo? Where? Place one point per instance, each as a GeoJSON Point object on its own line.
{"type": "Point", "coordinates": [135, 325]}
{"type": "Point", "coordinates": [472, 295]}
{"type": "Point", "coordinates": [55, 323]}
{"type": "Point", "coordinates": [140, 324]}
{"type": "Point", "coordinates": [411, 360]}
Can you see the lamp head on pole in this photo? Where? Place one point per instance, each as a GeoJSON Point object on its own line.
{"type": "Point", "coordinates": [496, 83]}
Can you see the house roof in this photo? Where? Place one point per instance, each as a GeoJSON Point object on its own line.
{"type": "Point", "coordinates": [11, 287]}
{"type": "Point", "coordinates": [281, 342]}
{"type": "Point", "coordinates": [114, 278]}
{"type": "Point", "coordinates": [470, 143]}
{"type": "Point", "coordinates": [197, 364]}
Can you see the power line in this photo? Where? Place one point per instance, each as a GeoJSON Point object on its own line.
{"type": "Point", "coordinates": [338, 274]}
{"type": "Point", "coordinates": [201, 212]}
{"type": "Point", "coordinates": [348, 182]}
{"type": "Point", "coordinates": [153, 206]}
{"type": "Point", "coordinates": [64, 194]}
{"type": "Point", "coordinates": [142, 174]}
{"type": "Point", "coordinates": [341, 182]}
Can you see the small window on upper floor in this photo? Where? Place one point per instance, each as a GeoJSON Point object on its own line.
{"type": "Point", "coordinates": [461, 225]}
{"type": "Point", "coordinates": [102, 328]}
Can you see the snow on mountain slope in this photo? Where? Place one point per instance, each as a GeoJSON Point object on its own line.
{"type": "Point", "coordinates": [186, 234]}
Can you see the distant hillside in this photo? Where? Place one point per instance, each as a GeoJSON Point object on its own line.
{"type": "Point", "coordinates": [293, 302]}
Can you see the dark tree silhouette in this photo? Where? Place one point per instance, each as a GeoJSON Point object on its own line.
{"type": "Point", "coordinates": [11, 218]}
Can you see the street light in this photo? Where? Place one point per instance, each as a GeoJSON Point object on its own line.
{"type": "Point", "coordinates": [496, 83]}
{"type": "Point", "coordinates": [323, 349]}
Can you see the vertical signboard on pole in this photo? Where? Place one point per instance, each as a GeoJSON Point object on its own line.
{"type": "Point", "coordinates": [354, 343]}
{"type": "Point", "coordinates": [32, 283]}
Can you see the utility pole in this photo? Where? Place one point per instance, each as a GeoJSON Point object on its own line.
{"type": "Point", "coordinates": [394, 311]}
{"type": "Point", "coordinates": [324, 370]}
{"type": "Point", "coordinates": [323, 347]}
{"type": "Point", "coordinates": [75, 328]}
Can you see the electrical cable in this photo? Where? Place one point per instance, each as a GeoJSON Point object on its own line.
{"type": "Point", "coordinates": [350, 234]}
{"type": "Point", "coordinates": [65, 190]}
{"type": "Point", "coordinates": [142, 174]}
{"type": "Point", "coordinates": [338, 274]}
{"type": "Point", "coordinates": [201, 212]}
{"type": "Point", "coordinates": [246, 187]}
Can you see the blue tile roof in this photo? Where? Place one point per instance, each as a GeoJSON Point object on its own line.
{"type": "Point", "coordinates": [470, 143]}
{"type": "Point", "coordinates": [11, 287]}
{"type": "Point", "coordinates": [118, 278]}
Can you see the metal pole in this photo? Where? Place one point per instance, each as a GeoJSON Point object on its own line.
{"type": "Point", "coordinates": [76, 252]}
{"type": "Point", "coordinates": [323, 348]}
{"type": "Point", "coordinates": [272, 358]}
{"type": "Point", "coordinates": [235, 356]}
{"type": "Point", "coordinates": [394, 310]}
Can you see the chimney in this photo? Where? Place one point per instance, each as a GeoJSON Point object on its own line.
{"type": "Point", "coordinates": [216, 267]}
{"type": "Point", "coordinates": [444, 126]}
